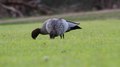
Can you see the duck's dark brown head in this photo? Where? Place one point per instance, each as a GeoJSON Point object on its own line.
{"type": "Point", "coordinates": [35, 33]}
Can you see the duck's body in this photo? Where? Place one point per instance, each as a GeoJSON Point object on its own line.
{"type": "Point", "coordinates": [55, 27]}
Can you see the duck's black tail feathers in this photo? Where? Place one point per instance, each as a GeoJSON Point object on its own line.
{"type": "Point", "coordinates": [74, 28]}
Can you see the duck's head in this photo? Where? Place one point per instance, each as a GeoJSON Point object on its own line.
{"type": "Point", "coordinates": [35, 33]}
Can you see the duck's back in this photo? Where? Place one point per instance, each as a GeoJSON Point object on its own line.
{"type": "Point", "coordinates": [58, 26]}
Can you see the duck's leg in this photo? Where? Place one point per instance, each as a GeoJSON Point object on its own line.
{"type": "Point", "coordinates": [51, 36]}
{"type": "Point", "coordinates": [62, 36]}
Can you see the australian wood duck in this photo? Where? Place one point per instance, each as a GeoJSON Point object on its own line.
{"type": "Point", "coordinates": [55, 27]}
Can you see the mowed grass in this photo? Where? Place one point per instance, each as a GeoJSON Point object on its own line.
{"type": "Point", "coordinates": [96, 45]}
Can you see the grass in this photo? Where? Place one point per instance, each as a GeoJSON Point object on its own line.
{"type": "Point", "coordinates": [96, 45]}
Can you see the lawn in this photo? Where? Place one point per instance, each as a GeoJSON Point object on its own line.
{"type": "Point", "coordinates": [96, 45]}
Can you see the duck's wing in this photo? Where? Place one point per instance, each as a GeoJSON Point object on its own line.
{"type": "Point", "coordinates": [72, 22]}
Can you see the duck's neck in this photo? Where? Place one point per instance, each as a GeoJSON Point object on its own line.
{"type": "Point", "coordinates": [43, 32]}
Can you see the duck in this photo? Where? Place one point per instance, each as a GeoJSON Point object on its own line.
{"type": "Point", "coordinates": [55, 27]}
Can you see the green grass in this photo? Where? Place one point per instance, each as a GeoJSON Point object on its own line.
{"type": "Point", "coordinates": [96, 45]}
